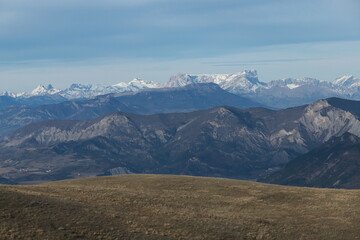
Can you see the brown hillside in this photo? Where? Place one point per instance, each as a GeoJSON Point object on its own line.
{"type": "Point", "coordinates": [176, 207]}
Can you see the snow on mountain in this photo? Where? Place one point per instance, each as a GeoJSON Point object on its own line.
{"type": "Point", "coordinates": [290, 92]}
{"type": "Point", "coordinates": [347, 81]}
{"type": "Point", "coordinates": [292, 86]}
{"type": "Point", "coordinates": [120, 85]}
{"type": "Point", "coordinates": [85, 90]}
{"type": "Point", "coordinates": [138, 84]}
{"type": "Point", "coordinates": [42, 90]}
{"type": "Point", "coordinates": [281, 93]}
{"type": "Point", "coordinates": [247, 82]}
{"type": "Point", "coordinates": [12, 94]}
{"type": "Point", "coordinates": [293, 83]}
{"type": "Point", "coordinates": [242, 82]}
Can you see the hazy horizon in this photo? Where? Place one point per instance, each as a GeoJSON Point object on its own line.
{"type": "Point", "coordinates": [64, 86]}
{"type": "Point", "coordinates": [106, 42]}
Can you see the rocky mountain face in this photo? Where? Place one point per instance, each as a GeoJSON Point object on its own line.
{"type": "Point", "coordinates": [161, 100]}
{"type": "Point", "coordinates": [221, 142]}
{"type": "Point", "coordinates": [335, 164]}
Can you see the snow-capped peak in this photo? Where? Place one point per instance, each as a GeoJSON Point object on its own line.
{"type": "Point", "coordinates": [11, 94]}
{"type": "Point", "coordinates": [344, 80]}
{"type": "Point", "coordinates": [242, 82]}
{"type": "Point", "coordinates": [245, 82]}
{"type": "Point", "coordinates": [120, 85]}
{"type": "Point", "coordinates": [347, 81]}
{"type": "Point", "coordinates": [180, 80]}
{"type": "Point", "coordinates": [86, 91]}
{"type": "Point", "coordinates": [44, 90]}
{"type": "Point", "coordinates": [138, 83]}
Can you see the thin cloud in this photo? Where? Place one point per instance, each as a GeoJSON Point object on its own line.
{"type": "Point", "coordinates": [173, 35]}
{"type": "Point", "coordinates": [256, 62]}
{"type": "Point", "coordinates": [39, 29]}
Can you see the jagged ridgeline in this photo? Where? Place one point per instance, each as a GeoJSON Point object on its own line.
{"type": "Point", "coordinates": [282, 93]}
{"type": "Point", "coordinates": [218, 142]}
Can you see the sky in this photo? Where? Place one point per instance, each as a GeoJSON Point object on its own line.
{"type": "Point", "coordinates": [60, 42]}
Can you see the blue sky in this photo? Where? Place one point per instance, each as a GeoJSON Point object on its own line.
{"type": "Point", "coordinates": [108, 41]}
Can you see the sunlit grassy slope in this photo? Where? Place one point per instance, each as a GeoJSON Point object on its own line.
{"type": "Point", "coordinates": [176, 207]}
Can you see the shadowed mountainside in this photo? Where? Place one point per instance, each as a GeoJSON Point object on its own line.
{"type": "Point", "coordinates": [219, 142]}
{"type": "Point", "coordinates": [335, 164]}
{"type": "Point", "coordinates": [8, 101]}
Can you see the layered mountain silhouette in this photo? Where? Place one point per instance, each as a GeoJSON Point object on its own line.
{"type": "Point", "coordinates": [222, 142]}
{"type": "Point", "coordinates": [35, 101]}
{"type": "Point", "coordinates": [161, 100]}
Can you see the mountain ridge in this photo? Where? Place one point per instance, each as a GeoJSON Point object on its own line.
{"type": "Point", "coordinates": [219, 142]}
{"type": "Point", "coordinates": [281, 93]}
{"type": "Point", "coordinates": [161, 100]}
{"type": "Point", "coordinates": [334, 164]}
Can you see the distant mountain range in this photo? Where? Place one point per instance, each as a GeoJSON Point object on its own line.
{"type": "Point", "coordinates": [237, 83]}
{"type": "Point", "coordinates": [146, 101]}
{"type": "Point", "coordinates": [85, 130]}
{"type": "Point", "coordinates": [42, 95]}
{"type": "Point", "coordinates": [76, 91]}
{"type": "Point", "coordinates": [34, 101]}
{"type": "Point", "coordinates": [283, 93]}
{"type": "Point", "coordinates": [221, 142]}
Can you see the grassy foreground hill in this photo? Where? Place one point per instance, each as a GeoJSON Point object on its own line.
{"type": "Point", "coordinates": [176, 207]}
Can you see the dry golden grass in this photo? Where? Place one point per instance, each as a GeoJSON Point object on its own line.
{"type": "Point", "coordinates": [176, 207]}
